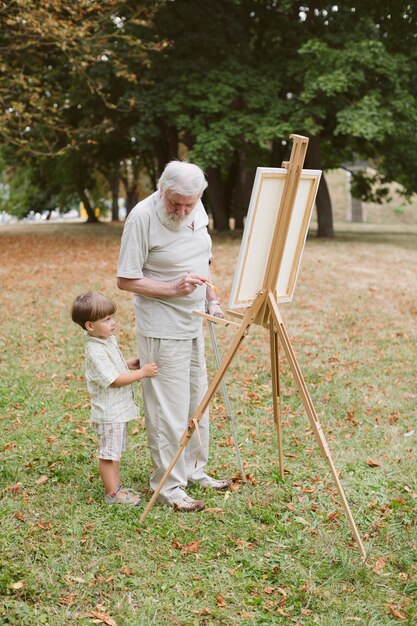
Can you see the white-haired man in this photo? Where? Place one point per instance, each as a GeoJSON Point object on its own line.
{"type": "Point", "coordinates": [164, 260]}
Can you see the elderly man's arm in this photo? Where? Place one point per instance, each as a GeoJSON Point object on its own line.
{"type": "Point", "coordinates": [151, 288]}
{"type": "Point", "coordinates": [213, 305]}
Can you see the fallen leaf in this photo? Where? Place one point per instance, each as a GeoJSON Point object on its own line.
{"type": "Point", "coordinates": [373, 463]}
{"type": "Point", "coordinates": [201, 612]}
{"type": "Point", "coordinates": [67, 600]}
{"type": "Point", "coordinates": [102, 618]}
{"type": "Point", "coordinates": [192, 547]}
{"type": "Point", "coordinates": [10, 446]}
{"type": "Point", "coordinates": [74, 579]}
{"type": "Point", "coordinates": [17, 585]}
{"type": "Point", "coordinates": [396, 613]}
{"type": "Point", "coordinates": [42, 480]}
{"type": "Point", "coordinates": [126, 571]}
{"type": "Point", "coordinates": [333, 515]}
{"type": "Point", "coordinates": [14, 488]}
{"type": "Point", "coordinates": [220, 601]}
{"type": "Point", "coordinates": [380, 563]}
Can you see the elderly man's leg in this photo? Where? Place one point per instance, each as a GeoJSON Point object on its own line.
{"type": "Point", "coordinates": [166, 402]}
{"type": "Point", "coordinates": [196, 453]}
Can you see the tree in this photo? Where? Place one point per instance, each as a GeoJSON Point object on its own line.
{"type": "Point", "coordinates": [75, 91]}
{"type": "Point", "coordinates": [127, 86]}
{"type": "Point", "coordinates": [233, 91]}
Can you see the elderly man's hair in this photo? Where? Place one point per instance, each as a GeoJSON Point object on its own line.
{"type": "Point", "coordinates": [183, 178]}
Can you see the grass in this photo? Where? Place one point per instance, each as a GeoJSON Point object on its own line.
{"type": "Point", "coordinates": [266, 552]}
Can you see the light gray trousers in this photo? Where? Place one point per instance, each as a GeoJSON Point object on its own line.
{"type": "Point", "coordinates": [170, 399]}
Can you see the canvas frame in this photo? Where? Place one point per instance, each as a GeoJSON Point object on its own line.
{"type": "Point", "coordinates": [265, 218]}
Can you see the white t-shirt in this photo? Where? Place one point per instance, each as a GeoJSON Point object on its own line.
{"type": "Point", "coordinates": [150, 249]}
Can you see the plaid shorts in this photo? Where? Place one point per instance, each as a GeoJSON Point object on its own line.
{"type": "Point", "coordinates": [112, 440]}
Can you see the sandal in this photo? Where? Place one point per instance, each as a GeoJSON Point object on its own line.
{"type": "Point", "coordinates": [122, 496]}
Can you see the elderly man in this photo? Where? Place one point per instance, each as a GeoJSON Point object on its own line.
{"type": "Point", "coordinates": [164, 260]}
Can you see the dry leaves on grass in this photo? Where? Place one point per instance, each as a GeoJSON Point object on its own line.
{"type": "Point", "coordinates": [191, 548]}
{"type": "Point", "coordinates": [42, 480]}
{"type": "Point", "coordinates": [102, 618]}
{"type": "Point", "coordinates": [373, 463]}
{"type": "Point", "coordinates": [396, 613]}
{"type": "Point", "coordinates": [380, 563]}
{"type": "Point", "coordinates": [17, 585]}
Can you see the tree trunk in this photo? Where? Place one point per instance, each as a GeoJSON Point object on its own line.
{"type": "Point", "coordinates": [244, 186]}
{"type": "Point", "coordinates": [323, 200]}
{"type": "Point", "coordinates": [91, 219]}
{"type": "Point", "coordinates": [229, 189]}
{"type": "Point", "coordinates": [114, 185]}
{"type": "Point", "coordinates": [239, 206]}
{"type": "Point", "coordinates": [324, 210]}
{"type": "Point", "coordinates": [130, 184]}
{"type": "Point", "coordinates": [216, 195]}
{"type": "Point", "coordinates": [166, 146]}
{"type": "Point", "coordinates": [278, 153]}
{"type": "Point", "coordinates": [131, 199]}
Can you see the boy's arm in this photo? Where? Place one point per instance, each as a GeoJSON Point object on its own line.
{"type": "Point", "coordinates": [127, 378]}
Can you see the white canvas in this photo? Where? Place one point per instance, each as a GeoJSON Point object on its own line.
{"type": "Point", "coordinates": [261, 222]}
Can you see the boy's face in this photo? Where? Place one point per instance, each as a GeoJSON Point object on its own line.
{"type": "Point", "coordinates": [101, 328]}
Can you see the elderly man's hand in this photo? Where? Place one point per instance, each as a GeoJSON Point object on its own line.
{"type": "Point", "coordinates": [214, 308]}
{"type": "Point", "coordinates": [188, 284]}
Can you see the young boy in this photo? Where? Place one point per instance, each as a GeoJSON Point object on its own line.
{"type": "Point", "coordinates": [109, 382]}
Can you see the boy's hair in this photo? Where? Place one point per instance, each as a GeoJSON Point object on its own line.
{"type": "Point", "coordinates": [90, 307]}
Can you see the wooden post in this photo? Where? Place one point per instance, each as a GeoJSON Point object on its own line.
{"type": "Point", "coordinates": [276, 399]}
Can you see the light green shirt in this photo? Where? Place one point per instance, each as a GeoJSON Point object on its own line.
{"type": "Point", "coordinates": [104, 363]}
{"type": "Point", "coordinates": [150, 249]}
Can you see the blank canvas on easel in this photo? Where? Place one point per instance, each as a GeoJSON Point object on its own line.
{"type": "Point", "coordinates": [261, 222]}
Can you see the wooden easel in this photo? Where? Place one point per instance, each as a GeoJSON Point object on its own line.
{"type": "Point", "coordinates": [264, 311]}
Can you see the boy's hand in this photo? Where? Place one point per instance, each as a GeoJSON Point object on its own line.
{"type": "Point", "coordinates": [150, 370]}
{"type": "Point", "coordinates": [133, 364]}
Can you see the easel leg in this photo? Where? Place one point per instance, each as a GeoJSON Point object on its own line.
{"type": "Point", "coordinates": [276, 393]}
{"type": "Point", "coordinates": [308, 405]}
{"type": "Point", "coordinates": [226, 400]}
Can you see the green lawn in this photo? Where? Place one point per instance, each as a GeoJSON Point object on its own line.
{"type": "Point", "coordinates": [266, 552]}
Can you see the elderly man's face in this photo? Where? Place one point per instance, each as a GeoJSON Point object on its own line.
{"type": "Point", "coordinates": [179, 205]}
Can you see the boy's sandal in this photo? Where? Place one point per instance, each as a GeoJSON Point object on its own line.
{"type": "Point", "coordinates": [122, 496]}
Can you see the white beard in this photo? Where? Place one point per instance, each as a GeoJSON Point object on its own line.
{"type": "Point", "coordinates": [172, 220]}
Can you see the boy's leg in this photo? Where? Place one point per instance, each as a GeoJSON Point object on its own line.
{"type": "Point", "coordinates": [110, 474]}
{"type": "Point", "coordinates": [112, 442]}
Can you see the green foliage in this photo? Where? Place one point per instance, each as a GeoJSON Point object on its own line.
{"type": "Point", "coordinates": [128, 86]}
{"type": "Point", "coordinates": [369, 187]}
